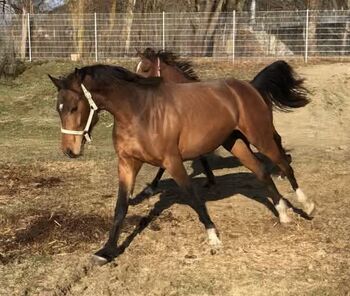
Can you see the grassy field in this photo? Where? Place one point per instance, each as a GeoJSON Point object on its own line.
{"type": "Point", "coordinates": [55, 212]}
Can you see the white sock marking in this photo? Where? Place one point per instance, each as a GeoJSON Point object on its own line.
{"type": "Point", "coordinates": [281, 208]}
{"type": "Point", "coordinates": [308, 205]}
{"type": "Point", "coordinates": [213, 238]}
{"type": "Point", "coordinates": [301, 196]}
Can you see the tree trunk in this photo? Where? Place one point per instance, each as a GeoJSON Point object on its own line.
{"type": "Point", "coordinates": [312, 36]}
{"type": "Point", "coordinates": [128, 23]}
{"type": "Point", "coordinates": [213, 9]}
{"type": "Point", "coordinates": [208, 40]}
{"type": "Point", "coordinates": [78, 27]}
{"type": "Point", "coordinates": [252, 15]}
{"type": "Point", "coordinates": [112, 15]}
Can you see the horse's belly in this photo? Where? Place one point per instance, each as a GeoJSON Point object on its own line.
{"type": "Point", "coordinates": [195, 143]}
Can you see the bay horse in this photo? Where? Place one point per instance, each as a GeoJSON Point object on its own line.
{"type": "Point", "coordinates": [276, 83]}
{"type": "Point", "coordinates": [163, 124]}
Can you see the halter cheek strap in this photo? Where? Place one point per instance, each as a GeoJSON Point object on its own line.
{"type": "Point", "coordinates": [158, 67]}
{"type": "Point", "coordinates": [93, 109]}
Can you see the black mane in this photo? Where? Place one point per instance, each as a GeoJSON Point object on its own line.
{"type": "Point", "coordinates": [108, 74]}
{"type": "Point", "coordinates": [172, 59]}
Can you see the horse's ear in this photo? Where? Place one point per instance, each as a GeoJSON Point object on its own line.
{"type": "Point", "coordinates": [138, 53]}
{"type": "Point", "coordinates": [79, 74]}
{"type": "Point", "coordinates": [57, 82]}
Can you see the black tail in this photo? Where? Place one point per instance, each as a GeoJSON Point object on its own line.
{"type": "Point", "coordinates": [280, 87]}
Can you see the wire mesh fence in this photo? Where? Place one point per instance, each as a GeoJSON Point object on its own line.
{"type": "Point", "coordinates": [101, 37]}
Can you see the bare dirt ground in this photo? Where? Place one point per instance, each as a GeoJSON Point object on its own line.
{"type": "Point", "coordinates": [54, 212]}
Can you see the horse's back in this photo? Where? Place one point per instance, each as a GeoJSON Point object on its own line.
{"type": "Point", "coordinates": [206, 115]}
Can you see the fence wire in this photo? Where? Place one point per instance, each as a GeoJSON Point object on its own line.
{"type": "Point", "coordinates": [101, 37]}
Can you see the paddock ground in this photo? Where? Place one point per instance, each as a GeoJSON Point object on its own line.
{"type": "Point", "coordinates": [55, 212]}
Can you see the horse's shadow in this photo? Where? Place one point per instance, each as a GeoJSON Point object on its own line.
{"type": "Point", "coordinates": [216, 162]}
{"type": "Point", "coordinates": [227, 186]}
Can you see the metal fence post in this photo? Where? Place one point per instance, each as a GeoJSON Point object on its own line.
{"type": "Point", "coordinates": [306, 35]}
{"type": "Point", "coordinates": [96, 55]}
{"type": "Point", "coordinates": [233, 35]}
{"type": "Point", "coordinates": [29, 38]}
{"type": "Point", "coordinates": [163, 37]}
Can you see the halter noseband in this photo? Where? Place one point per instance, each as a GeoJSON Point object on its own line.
{"type": "Point", "coordinates": [93, 108]}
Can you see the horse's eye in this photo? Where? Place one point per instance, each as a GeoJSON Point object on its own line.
{"type": "Point", "coordinates": [145, 69]}
{"type": "Point", "coordinates": [74, 109]}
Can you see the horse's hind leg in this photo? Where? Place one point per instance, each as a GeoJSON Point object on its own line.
{"type": "Point", "coordinates": [278, 140]}
{"type": "Point", "coordinates": [281, 160]}
{"type": "Point", "coordinates": [242, 151]}
{"type": "Point", "coordinates": [176, 169]}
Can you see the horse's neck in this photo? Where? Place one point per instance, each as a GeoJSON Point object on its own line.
{"type": "Point", "coordinates": [172, 74]}
{"type": "Point", "coordinates": [124, 103]}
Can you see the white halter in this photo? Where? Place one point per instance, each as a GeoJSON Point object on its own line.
{"type": "Point", "coordinates": [93, 108]}
{"type": "Point", "coordinates": [158, 67]}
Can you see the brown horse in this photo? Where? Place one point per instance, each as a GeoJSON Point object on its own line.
{"type": "Point", "coordinates": [164, 124]}
{"type": "Point", "coordinates": [276, 83]}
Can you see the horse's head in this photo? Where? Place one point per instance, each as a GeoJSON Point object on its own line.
{"type": "Point", "coordinates": [166, 64]}
{"type": "Point", "coordinates": [149, 65]}
{"type": "Point", "coordinates": [77, 111]}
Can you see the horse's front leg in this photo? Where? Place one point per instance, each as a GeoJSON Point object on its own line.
{"type": "Point", "coordinates": [127, 169]}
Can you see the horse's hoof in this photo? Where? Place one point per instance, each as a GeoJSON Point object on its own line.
{"type": "Point", "coordinates": [215, 243]}
{"type": "Point", "coordinates": [98, 260]}
{"type": "Point", "coordinates": [285, 219]}
{"type": "Point", "coordinates": [105, 255]}
{"type": "Point", "coordinates": [309, 208]}
{"type": "Point", "coordinates": [215, 246]}
{"type": "Point", "coordinates": [213, 238]}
